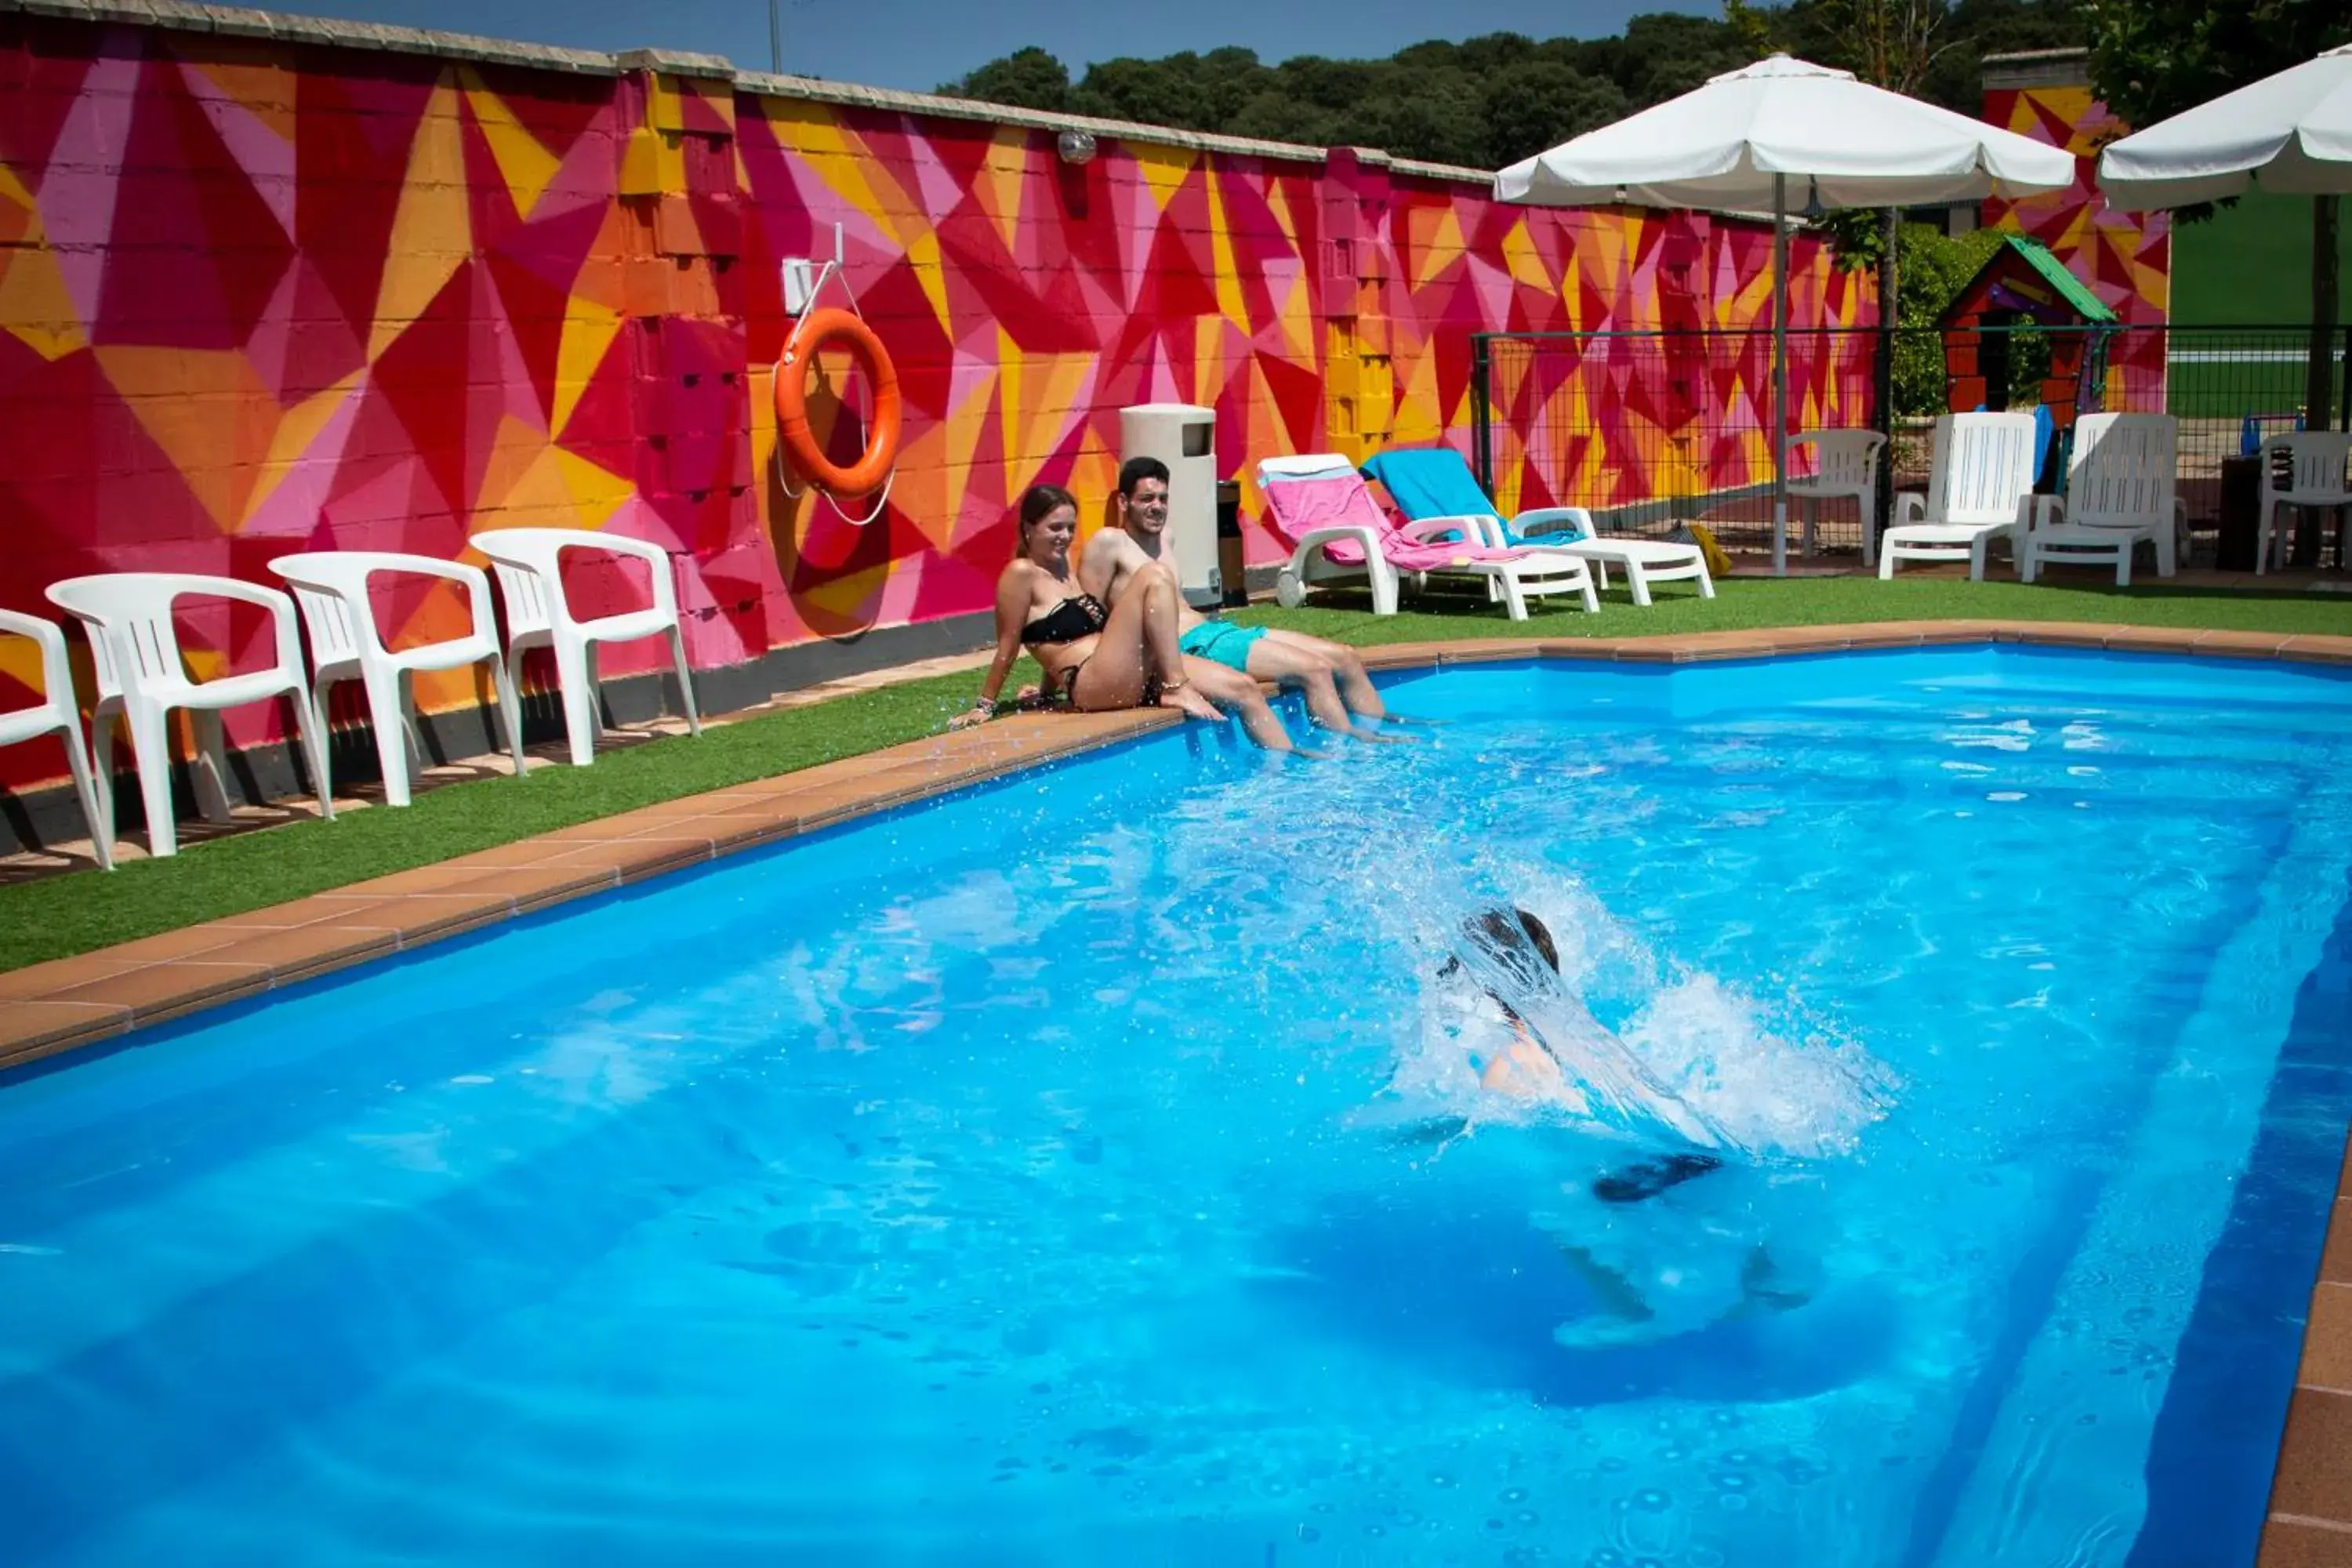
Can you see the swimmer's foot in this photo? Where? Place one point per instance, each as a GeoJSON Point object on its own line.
{"type": "Point", "coordinates": [1409, 719]}
{"type": "Point", "coordinates": [1188, 700]}
{"type": "Point", "coordinates": [1365, 733]}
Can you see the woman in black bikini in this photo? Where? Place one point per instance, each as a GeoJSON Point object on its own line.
{"type": "Point", "coordinates": [1099, 659]}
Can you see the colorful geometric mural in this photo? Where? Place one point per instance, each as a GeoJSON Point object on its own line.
{"type": "Point", "coordinates": [260, 297]}
{"type": "Point", "coordinates": [2126, 257]}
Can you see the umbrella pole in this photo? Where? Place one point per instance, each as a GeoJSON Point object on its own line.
{"type": "Point", "coordinates": [1780, 375]}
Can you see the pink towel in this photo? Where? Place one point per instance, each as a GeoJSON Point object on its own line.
{"type": "Point", "coordinates": [1299, 507]}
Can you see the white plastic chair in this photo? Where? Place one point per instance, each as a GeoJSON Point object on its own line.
{"type": "Point", "coordinates": [135, 652]}
{"type": "Point", "coordinates": [538, 615]}
{"type": "Point", "coordinates": [2121, 491]}
{"type": "Point", "coordinates": [57, 713]}
{"type": "Point", "coordinates": [1846, 466]}
{"type": "Point", "coordinates": [2319, 458]}
{"type": "Point", "coordinates": [1979, 488]}
{"type": "Point", "coordinates": [332, 586]}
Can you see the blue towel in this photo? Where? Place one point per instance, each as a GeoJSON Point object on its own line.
{"type": "Point", "coordinates": [1433, 481]}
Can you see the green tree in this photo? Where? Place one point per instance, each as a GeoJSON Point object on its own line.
{"type": "Point", "coordinates": [2151, 60]}
{"type": "Point", "coordinates": [1539, 103]}
{"type": "Point", "coordinates": [1025, 78]}
{"type": "Point", "coordinates": [1438, 120]}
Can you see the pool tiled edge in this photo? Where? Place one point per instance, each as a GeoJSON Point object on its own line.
{"type": "Point", "coordinates": [50, 1008]}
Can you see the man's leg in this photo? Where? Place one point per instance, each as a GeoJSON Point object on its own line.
{"type": "Point", "coordinates": [1341, 667]}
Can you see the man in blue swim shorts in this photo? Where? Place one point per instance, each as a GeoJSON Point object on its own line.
{"type": "Point", "coordinates": [1330, 674]}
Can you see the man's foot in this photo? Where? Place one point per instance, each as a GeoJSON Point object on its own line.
{"type": "Point", "coordinates": [1183, 698]}
{"type": "Point", "coordinates": [1364, 733]}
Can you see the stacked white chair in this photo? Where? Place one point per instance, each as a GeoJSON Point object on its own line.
{"type": "Point", "coordinates": [2121, 492]}
{"type": "Point", "coordinates": [57, 714]}
{"type": "Point", "coordinates": [1979, 488]}
{"type": "Point", "coordinates": [141, 676]}
{"type": "Point", "coordinates": [332, 588]}
{"type": "Point", "coordinates": [1845, 467]}
{"type": "Point", "coordinates": [2317, 459]}
{"type": "Point", "coordinates": [531, 578]}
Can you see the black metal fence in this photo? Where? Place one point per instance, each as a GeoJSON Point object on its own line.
{"type": "Point", "coordinates": [1654, 430]}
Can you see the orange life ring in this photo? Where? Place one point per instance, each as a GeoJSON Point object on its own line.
{"type": "Point", "coordinates": [873, 466]}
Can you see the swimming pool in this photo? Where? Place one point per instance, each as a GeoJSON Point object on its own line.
{"type": "Point", "coordinates": [1072, 1170]}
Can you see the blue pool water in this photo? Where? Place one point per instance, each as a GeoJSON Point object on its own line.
{"type": "Point", "coordinates": [1085, 1169]}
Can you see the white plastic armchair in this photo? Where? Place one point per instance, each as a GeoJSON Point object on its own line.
{"type": "Point", "coordinates": [57, 714]}
{"type": "Point", "coordinates": [2319, 459]}
{"type": "Point", "coordinates": [141, 676]}
{"type": "Point", "coordinates": [531, 578]}
{"type": "Point", "coordinates": [1309, 563]}
{"type": "Point", "coordinates": [1846, 463]}
{"type": "Point", "coordinates": [2121, 491]}
{"type": "Point", "coordinates": [1979, 488]}
{"type": "Point", "coordinates": [332, 586]}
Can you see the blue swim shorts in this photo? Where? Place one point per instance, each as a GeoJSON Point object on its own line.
{"type": "Point", "coordinates": [1223, 641]}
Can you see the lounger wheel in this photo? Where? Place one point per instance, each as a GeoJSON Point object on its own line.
{"type": "Point", "coordinates": [1289, 590]}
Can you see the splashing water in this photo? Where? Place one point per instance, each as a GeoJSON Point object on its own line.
{"type": "Point", "coordinates": [1657, 1053]}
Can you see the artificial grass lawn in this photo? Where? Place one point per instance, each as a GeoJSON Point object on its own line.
{"type": "Point", "coordinates": [56, 917]}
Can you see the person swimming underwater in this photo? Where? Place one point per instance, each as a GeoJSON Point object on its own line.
{"type": "Point", "coordinates": [1513, 942]}
{"type": "Point", "coordinates": [1668, 1270]}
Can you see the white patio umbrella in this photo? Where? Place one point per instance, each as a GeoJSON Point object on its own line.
{"type": "Point", "coordinates": [2292, 132]}
{"type": "Point", "coordinates": [1747, 138]}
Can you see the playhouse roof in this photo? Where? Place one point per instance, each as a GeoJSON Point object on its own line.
{"type": "Point", "coordinates": [2017, 247]}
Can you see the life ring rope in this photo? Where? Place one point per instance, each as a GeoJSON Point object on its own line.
{"type": "Point", "coordinates": [875, 470]}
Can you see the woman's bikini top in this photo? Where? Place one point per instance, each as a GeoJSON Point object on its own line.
{"type": "Point", "coordinates": [1079, 615]}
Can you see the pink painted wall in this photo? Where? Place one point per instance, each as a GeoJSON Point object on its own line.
{"type": "Point", "coordinates": [259, 296]}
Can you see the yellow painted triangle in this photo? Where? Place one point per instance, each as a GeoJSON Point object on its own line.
{"type": "Point", "coordinates": [589, 328]}
{"type": "Point", "coordinates": [1003, 178]}
{"type": "Point", "coordinates": [839, 158]}
{"type": "Point", "coordinates": [923, 254]}
{"type": "Point", "coordinates": [846, 595]}
{"type": "Point", "coordinates": [1278, 205]}
{"type": "Point", "coordinates": [596, 492]}
{"type": "Point", "coordinates": [1417, 418]}
{"type": "Point", "coordinates": [432, 233]}
{"type": "Point", "coordinates": [523, 163]}
{"type": "Point", "coordinates": [1208, 358]}
{"type": "Point", "coordinates": [1523, 260]}
{"type": "Point", "coordinates": [297, 428]}
{"type": "Point", "coordinates": [209, 413]}
{"type": "Point", "coordinates": [1221, 254]}
{"type": "Point", "coordinates": [264, 91]}
{"type": "Point", "coordinates": [1440, 247]}
{"type": "Point", "coordinates": [1053, 382]}
{"type": "Point", "coordinates": [20, 661]}
{"type": "Point", "coordinates": [13, 190]}
{"type": "Point", "coordinates": [35, 308]}
{"type": "Point", "coordinates": [1163, 170]}
{"type": "Point", "coordinates": [1297, 318]}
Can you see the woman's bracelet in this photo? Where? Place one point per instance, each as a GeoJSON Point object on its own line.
{"type": "Point", "coordinates": [984, 704]}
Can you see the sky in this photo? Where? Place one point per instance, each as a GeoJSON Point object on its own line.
{"type": "Point", "coordinates": [919, 44]}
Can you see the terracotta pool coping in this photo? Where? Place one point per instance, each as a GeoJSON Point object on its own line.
{"type": "Point", "coordinates": [54, 1007]}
